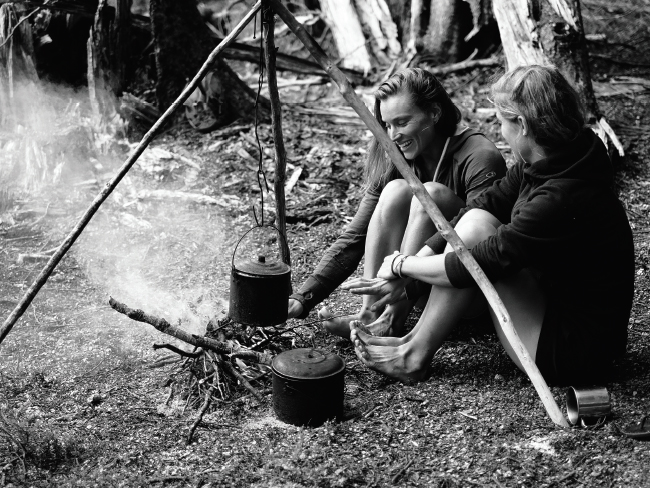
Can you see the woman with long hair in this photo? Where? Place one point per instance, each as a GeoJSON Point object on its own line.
{"type": "Point", "coordinates": [551, 235]}
{"type": "Point", "coordinates": [455, 163]}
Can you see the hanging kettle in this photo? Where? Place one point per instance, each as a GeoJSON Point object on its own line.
{"type": "Point", "coordinates": [259, 289]}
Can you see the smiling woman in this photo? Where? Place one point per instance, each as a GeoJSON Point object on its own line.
{"type": "Point", "coordinates": [455, 163]}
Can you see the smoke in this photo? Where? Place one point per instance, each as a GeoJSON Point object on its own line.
{"type": "Point", "coordinates": [165, 257]}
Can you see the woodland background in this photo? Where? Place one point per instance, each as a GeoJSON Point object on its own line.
{"type": "Point", "coordinates": [86, 401]}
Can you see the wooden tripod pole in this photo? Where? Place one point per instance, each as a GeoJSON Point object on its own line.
{"type": "Point", "coordinates": [268, 23]}
{"type": "Point", "coordinates": [110, 186]}
{"type": "Point", "coordinates": [432, 210]}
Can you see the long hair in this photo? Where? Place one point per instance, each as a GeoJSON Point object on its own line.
{"type": "Point", "coordinates": [544, 97]}
{"type": "Point", "coordinates": [427, 94]}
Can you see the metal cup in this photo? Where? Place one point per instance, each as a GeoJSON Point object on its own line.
{"type": "Point", "coordinates": [587, 405]}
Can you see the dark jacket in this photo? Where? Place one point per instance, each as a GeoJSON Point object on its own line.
{"type": "Point", "coordinates": [472, 163]}
{"type": "Point", "coordinates": [562, 218]}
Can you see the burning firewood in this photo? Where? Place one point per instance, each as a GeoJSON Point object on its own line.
{"type": "Point", "coordinates": [211, 363]}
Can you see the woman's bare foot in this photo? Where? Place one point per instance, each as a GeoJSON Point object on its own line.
{"type": "Point", "coordinates": [340, 326]}
{"type": "Point", "coordinates": [389, 360]}
{"type": "Point", "coordinates": [389, 323]}
{"type": "Point", "coordinates": [366, 334]}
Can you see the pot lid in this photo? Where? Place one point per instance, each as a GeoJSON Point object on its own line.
{"type": "Point", "coordinates": [307, 363]}
{"type": "Point", "coordinates": [261, 267]}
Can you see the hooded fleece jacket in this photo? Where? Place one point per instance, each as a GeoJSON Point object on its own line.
{"type": "Point", "coordinates": [561, 218]}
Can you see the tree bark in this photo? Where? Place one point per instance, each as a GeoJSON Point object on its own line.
{"type": "Point", "coordinates": [548, 32]}
{"type": "Point", "coordinates": [182, 43]}
{"type": "Point", "coordinates": [364, 32]}
{"type": "Point", "coordinates": [440, 31]}
{"type": "Point", "coordinates": [278, 139]}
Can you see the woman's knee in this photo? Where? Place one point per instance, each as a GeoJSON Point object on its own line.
{"type": "Point", "coordinates": [481, 215]}
{"type": "Point", "coordinates": [396, 192]}
{"type": "Point", "coordinates": [473, 231]}
{"type": "Point", "coordinates": [446, 200]}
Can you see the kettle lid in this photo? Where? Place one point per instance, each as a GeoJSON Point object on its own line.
{"type": "Point", "coordinates": [307, 363]}
{"type": "Point", "coordinates": [260, 267]}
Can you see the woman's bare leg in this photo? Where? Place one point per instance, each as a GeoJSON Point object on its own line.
{"type": "Point", "coordinates": [419, 228]}
{"type": "Point", "coordinates": [385, 233]}
{"type": "Point", "coordinates": [389, 231]}
{"type": "Point", "coordinates": [474, 226]}
{"type": "Point", "coordinates": [526, 304]}
{"type": "Point", "coordinates": [410, 359]}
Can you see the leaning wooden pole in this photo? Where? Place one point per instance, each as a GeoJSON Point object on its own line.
{"type": "Point", "coordinates": [110, 186]}
{"type": "Point", "coordinates": [268, 22]}
{"type": "Point", "coordinates": [432, 210]}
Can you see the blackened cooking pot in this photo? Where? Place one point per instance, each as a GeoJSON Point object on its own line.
{"type": "Point", "coordinates": [308, 386]}
{"type": "Point", "coordinates": [259, 290]}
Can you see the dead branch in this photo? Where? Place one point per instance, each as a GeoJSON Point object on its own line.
{"type": "Point", "coordinates": [180, 352]}
{"type": "Point", "coordinates": [467, 64]}
{"type": "Point", "coordinates": [268, 21]}
{"type": "Point", "coordinates": [8, 38]}
{"type": "Point", "coordinates": [165, 327]}
{"type": "Point", "coordinates": [45, 273]}
{"type": "Point", "coordinates": [204, 408]}
{"type": "Point", "coordinates": [179, 195]}
{"type": "Point", "coordinates": [230, 369]}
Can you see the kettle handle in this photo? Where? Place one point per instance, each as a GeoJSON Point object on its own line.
{"type": "Point", "coordinates": [247, 232]}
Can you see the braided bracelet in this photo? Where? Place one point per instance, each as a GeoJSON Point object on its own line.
{"type": "Point", "coordinates": [400, 264]}
{"type": "Point", "coordinates": [392, 265]}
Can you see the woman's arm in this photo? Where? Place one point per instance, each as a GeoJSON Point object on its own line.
{"type": "Point", "coordinates": [430, 269]}
{"type": "Point", "coordinates": [338, 262]}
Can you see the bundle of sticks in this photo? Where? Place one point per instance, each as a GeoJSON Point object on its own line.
{"type": "Point", "coordinates": [227, 357]}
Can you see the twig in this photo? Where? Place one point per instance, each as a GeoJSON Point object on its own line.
{"type": "Point", "coordinates": [618, 60]}
{"type": "Point", "coordinates": [204, 408]}
{"type": "Point", "coordinates": [563, 478]}
{"type": "Point", "coordinates": [401, 472]}
{"type": "Point", "coordinates": [271, 338]}
{"type": "Point", "coordinates": [178, 351]}
{"type": "Point", "coordinates": [612, 136]}
{"type": "Point", "coordinates": [367, 414]}
{"type": "Point", "coordinates": [468, 415]}
{"type": "Point", "coordinates": [9, 36]}
{"type": "Point", "coordinates": [108, 189]}
{"type": "Point", "coordinates": [230, 369]}
{"type": "Point", "coordinates": [467, 64]}
{"type": "Point", "coordinates": [163, 479]}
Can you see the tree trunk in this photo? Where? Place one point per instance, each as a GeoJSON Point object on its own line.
{"type": "Point", "coordinates": [548, 32]}
{"type": "Point", "coordinates": [16, 66]}
{"type": "Point", "coordinates": [182, 43]}
{"type": "Point", "coordinates": [441, 30]}
{"type": "Point", "coordinates": [364, 32]}
{"type": "Point", "coordinates": [369, 33]}
{"type": "Point", "coordinates": [551, 32]}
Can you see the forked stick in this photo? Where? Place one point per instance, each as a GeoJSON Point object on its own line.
{"type": "Point", "coordinates": [110, 186]}
{"type": "Point", "coordinates": [432, 210]}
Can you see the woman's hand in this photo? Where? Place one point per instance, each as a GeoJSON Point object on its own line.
{"type": "Point", "coordinates": [386, 270]}
{"type": "Point", "coordinates": [389, 291]}
{"type": "Point", "coordinates": [295, 308]}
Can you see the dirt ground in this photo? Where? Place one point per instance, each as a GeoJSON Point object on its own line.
{"type": "Point", "coordinates": [88, 401]}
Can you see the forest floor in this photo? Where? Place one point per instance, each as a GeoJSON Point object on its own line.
{"type": "Point", "coordinates": [86, 401]}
